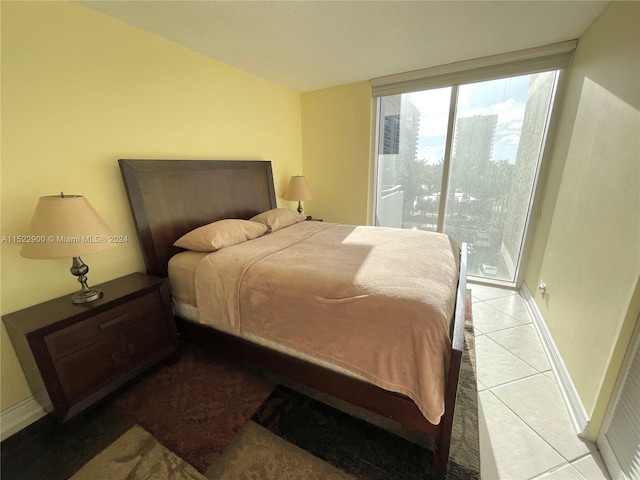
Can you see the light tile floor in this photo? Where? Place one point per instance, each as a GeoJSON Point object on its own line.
{"type": "Point", "coordinates": [525, 429]}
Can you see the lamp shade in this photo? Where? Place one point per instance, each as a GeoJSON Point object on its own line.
{"type": "Point", "coordinates": [298, 189]}
{"type": "Point", "coordinates": [66, 226]}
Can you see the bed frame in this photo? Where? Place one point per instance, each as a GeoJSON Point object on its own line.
{"type": "Point", "coordinates": [169, 198]}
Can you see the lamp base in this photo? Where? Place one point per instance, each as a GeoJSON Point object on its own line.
{"type": "Point", "coordinates": [90, 295]}
{"type": "Point", "coordinates": [86, 294]}
{"type": "Point", "coordinates": [299, 207]}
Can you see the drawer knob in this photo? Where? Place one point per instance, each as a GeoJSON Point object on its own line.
{"type": "Point", "coordinates": [131, 348]}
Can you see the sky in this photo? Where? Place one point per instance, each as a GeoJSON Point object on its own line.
{"type": "Point", "coordinates": [505, 97]}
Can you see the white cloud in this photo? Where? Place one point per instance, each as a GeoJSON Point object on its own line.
{"type": "Point", "coordinates": [436, 101]}
{"type": "Point", "coordinates": [434, 111]}
{"type": "Point", "coordinates": [507, 104]}
{"type": "Point", "coordinates": [433, 125]}
{"type": "Point", "coordinates": [512, 139]}
{"type": "Point", "coordinates": [431, 155]}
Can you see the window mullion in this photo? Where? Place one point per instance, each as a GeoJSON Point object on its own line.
{"type": "Point", "coordinates": [446, 166]}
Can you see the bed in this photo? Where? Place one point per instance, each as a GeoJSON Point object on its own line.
{"type": "Point", "coordinates": [170, 198]}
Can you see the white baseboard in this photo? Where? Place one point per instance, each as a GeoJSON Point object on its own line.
{"type": "Point", "coordinates": [568, 391]}
{"type": "Point", "coordinates": [15, 418]}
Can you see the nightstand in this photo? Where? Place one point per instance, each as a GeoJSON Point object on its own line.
{"type": "Point", "coordinates": [75, 355]}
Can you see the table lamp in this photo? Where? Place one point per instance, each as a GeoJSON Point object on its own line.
{"type": "Point", "coordinates": [298, 189]}
{"type": "Point", "coordinates": [67, 226]}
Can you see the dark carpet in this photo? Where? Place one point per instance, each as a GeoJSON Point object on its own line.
{"type": "Point", "coordinates": [354, 446]}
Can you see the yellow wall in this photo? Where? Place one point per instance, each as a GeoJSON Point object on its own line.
{"type": "Point", "coordinates": [79, 91]}
{"type": "Point", "coordinates": [587, 241]}
{"type": "Point", "coordinates": [336, 138]}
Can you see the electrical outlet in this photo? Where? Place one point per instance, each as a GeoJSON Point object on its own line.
{"type": "Point", "coordinates": [542, 288]}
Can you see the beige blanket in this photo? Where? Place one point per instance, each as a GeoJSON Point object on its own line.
{"type": "Point", "coordinates": [374, 301]}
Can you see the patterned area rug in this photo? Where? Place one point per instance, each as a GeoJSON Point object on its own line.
{"type": "Point", "coordinates": [208, 416]}
{"type": "Point", "coordinates": [137, 455]}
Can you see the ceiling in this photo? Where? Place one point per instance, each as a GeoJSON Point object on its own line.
{"type": "Point", "coordinates": [310, 45]}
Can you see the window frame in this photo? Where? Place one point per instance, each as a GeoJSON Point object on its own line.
{"type": "Point", "coordinates": [554, 57]}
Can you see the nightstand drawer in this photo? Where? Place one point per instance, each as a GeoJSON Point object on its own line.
{"type": "Point", "coordinates": [88, 369]}
{"type": "Point", "coordinates": [68, 340]}
{"type": "Point", "coordinates": [143, 339]}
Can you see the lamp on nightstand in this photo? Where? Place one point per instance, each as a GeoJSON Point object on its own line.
{"type": "Point", "coordinates": [67, 226]}
{"type": "Point", "coordinates": [299, 190]}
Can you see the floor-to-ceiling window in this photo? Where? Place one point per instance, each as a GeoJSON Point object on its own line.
{"type": "Point", "coordinates": [463, 159]}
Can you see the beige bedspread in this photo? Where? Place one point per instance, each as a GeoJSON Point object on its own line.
{"type": "Point", "coordinates": [374, 301]}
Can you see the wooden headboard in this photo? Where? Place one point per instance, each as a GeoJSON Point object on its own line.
{"type": "Point", "coordinates": [169, 198]}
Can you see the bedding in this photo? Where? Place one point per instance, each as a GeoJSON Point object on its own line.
{"type": "Point", "coordinates": [182, 278]}
{"type": "Point", "coordinates": [371, 301]}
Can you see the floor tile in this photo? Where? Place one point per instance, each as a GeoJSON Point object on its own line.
{"type": "Point", "coordinates": [513, 305]}
{"type": "Point", "coordinates": [551, 376]}
{"type": "Point", "coordinates": [525, 429]}
{"type": "Point", "coordinates": [487, 319]}
{"type": "Point", "coordinates": [524, 343]}
{"type": "Point", "coordinates": [537, 401]}
{"type": "Point", "coordinates": [592, 467]}
{"type": "Point", "coordinates": [566, 472]}
{"type": "Point", "coordinates": [481, 386]}
{"type": "Point", "coordinates": [509, 449]}
{"type": "Point", "coordinates": [484, 292]}
{"type": "Point", "coordinates": [496, 365]}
